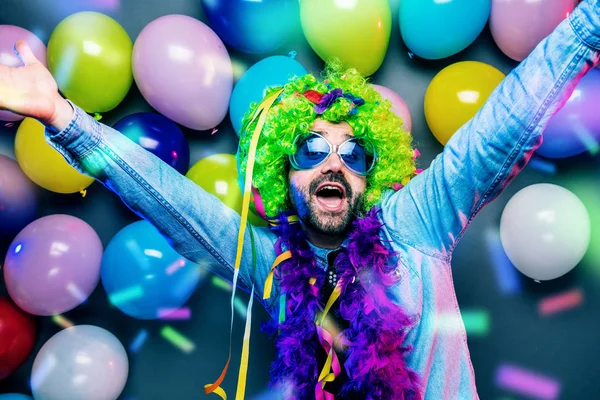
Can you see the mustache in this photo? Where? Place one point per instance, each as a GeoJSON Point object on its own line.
{"type": "Point", "coordinates": [330, 178]}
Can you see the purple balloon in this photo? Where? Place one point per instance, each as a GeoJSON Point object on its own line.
{"type": "Point", "coordinates": [18, 197]}
{"type": "Point", "coordinates": [53, 265]}
{"type": "Point", "coordinates": [576, 127]}
{"type": "Point", "coordinates": [9, 35]}
{"type": "Point", "coordinates": [518, 26]}
{"type": "Point", "coordinates": [183, 70]}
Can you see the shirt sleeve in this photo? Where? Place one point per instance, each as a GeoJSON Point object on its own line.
{"type": "Point", "coordinates": [432, 212]}
{"type": "Point", "coordinates": [194, 222]}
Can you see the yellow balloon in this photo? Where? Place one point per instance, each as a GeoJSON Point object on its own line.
{"type": "Point", "coordinates": [455, 95]}
{"type": "Point", "coordinates": [355, 31]}
{"type": "Point", "coordinates": [218, 175]}
{"type": "Point", "coordinates": [43, 164]}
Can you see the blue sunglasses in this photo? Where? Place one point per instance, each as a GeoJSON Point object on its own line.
{"type": "Point", "coordinates": [357, 154]}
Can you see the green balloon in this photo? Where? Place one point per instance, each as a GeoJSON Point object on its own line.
{"type": "Point", "coordinates": [218, 175]}
{"type": "Point", "coordinates": [89, 55]}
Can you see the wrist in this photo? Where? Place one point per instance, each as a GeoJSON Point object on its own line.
{"type": "Point", "coordinates": [63, 114]}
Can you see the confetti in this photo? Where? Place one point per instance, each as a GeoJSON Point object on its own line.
{"type": "Point", "coordinates": [177, 339]}
{"type": "Point", "coordinates": [61, 321]}
{"type": "Point", "coordinates": [528, 383]}
{"type": "Point", "coordinates": [174, 313]}
{"type": "Point", "coordinates": [125, 295]}
{"type": "Point", "coordinates": [138, 341]}
{"type": "Point", "coordinates": [240, 307]}
{"type": "Point", "coordinates": [477, 322]}
{"type": "Point", "coordinates": [560, 302]}
{"type": "Point", "coordinates": [542, 165]}
{"type": "Point", "coordinates": [175, 266]}
{"type": "Point", "coordinates": [506, 273]}
{"type": "Point", "coordinates": [215, 130]}
{"type": "Point", "coordinates": [221, 283]}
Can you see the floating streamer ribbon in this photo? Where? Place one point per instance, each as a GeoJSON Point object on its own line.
{"type": "Point", "coordinates": [261, 111]}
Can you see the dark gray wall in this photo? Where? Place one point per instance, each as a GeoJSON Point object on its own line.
{"type": "Point", "coordinates": [564, 346]}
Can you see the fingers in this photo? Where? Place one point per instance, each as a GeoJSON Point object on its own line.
{"type": "Point", "coordinates": [23, 51]}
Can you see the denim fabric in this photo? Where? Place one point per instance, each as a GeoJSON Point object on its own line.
{"type": "Point", "coordinates": [424, 221]}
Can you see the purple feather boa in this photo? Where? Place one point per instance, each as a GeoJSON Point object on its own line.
{"type": "Point", "coordinates": [377, 327]}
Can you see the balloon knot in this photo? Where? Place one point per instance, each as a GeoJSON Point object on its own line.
{"type": "Point", "coordinates": [292, 54]}
{"type": "Point", "coordinates": [83, 192]}
{"type": "Point", "coordinates": [97, 116]}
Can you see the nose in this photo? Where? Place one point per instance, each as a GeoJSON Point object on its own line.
{"type": "Point", "coordinates": [332, 164]}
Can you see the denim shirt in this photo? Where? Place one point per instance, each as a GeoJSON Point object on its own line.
{"type": "Point", "coordinates": [424, 221]}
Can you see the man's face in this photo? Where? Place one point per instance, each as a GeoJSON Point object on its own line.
{"type": "Point", "coordinates": [328, 197]}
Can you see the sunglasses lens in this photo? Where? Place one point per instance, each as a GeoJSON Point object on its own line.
{"type": "Point", "coordinates": [359, 155]}
{"type": "Point", "coordinates": [311, 151]}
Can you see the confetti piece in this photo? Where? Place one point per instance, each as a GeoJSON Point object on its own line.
{"type": "Point", "coordinates": [240, 307]}
{"type": "Point", "coordinates": [560, 302]}
{"type": "Point", "coordinates": [477, 322]}
{"type": "Point", "coordinates": [76, 292]}
{"type": "Point", "coordinates": [221, 283]}
{"type": "Point", "coordinates": [138, 341]}
{"type": "Point", "coordinates": [177, 339]}
{"type": "Point", "coordinates": [125, 295]}
{"type": "Point", "coordinates": [528, 383]}
{"type": "Point", "coordinates": [215, 130]}
{"type": "Point", "coordinates": [507, 275]}
{"type": "Point", "coordinates": [175, 266]}
{"type": "Point", "coordinates": [174, 313]}
{"type": "Point", "coordinates": [9, 124]}
{"type": "Point", "coordinates": [542, 165]}
{"type": "Point", "coordinates": [61, 321]}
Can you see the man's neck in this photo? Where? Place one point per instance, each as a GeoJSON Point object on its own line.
{"type": "Point", "coordinates": [323, 240]}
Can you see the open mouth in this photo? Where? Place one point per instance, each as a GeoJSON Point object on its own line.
{"type": "Point", "coordinates": [330, 196]}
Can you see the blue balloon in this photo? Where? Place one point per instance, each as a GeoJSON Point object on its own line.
{"type": "Point", "coordinates": [257, 26]}
{"type": "Point", "coordinates": [159, 135]}
{"type": "Point", "coordinates": [575, 128]}
{"type": "Point", "coordinates": [144, 276]}
{"type": "Point", "coordinates": [269, 72]}
{"type": "Point", "coordinates": [14, 396]}
{"type": "Point", "coordinates": [434, 29]}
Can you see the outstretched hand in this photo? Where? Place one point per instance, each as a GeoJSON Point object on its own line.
{"type": "Point", "coordinates": [30, 90]}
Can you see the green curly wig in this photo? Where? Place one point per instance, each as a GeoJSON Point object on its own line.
{"type": "Point", "coordinates": [293, 115]}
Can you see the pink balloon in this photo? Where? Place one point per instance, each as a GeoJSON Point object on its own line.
{"type": "Point", "coordinates": [9, 35]}
{"type": "Point", "coordinates": [399, 106]}
{"type": "Point", "coordinates": [53, 265]}
{"type": "Point", "coordinates": [18, 198]}
{"type": "Point", "coordinates": [183, 70]}
{"type": "Point", "coordinates": [518, 26]}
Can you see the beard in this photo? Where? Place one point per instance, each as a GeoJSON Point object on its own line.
{"type": "Point", "coordinates": [318, 219]}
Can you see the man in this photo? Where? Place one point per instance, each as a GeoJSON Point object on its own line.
{"type": "Point", "coordinates": [360, 235]}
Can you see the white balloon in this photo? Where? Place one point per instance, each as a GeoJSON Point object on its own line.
{"type": "Point", "coordinates": [545, 231]}
{"type": "Point", "coordinates": [80, 362]}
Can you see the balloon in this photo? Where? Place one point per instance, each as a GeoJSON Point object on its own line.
{"type": "Point", "coordinates": [545, 231]}
{"type": "Point", "coordinates": [269, 72]}
{"type": "Point", "coordinates": [518, 26]}
{"type": "Point", "coordinates": [399, 106]}
{"type": "Point", "coordinates": [218, 175]}
{"type": "Point", "coordinates": [455, 95]}
{"type": "Point", "coordinates": [575, 128]}
{"type": "Point", "coordinates": [355, 31]}
{"type": "Point", "coordinates": [89, 55]}
{"type": "Point", "coordinates": [9, 35]}
{"type": "Point", "coordinates": [183, 70]}
{"type": "Point", "coordinates": [80, 363]}
{"type": "Point", "coordinates": [143, 275]}
{"type": "Point", "coordinates": [14, 396]}
{"type": "Point", "coordinates": [434, 29]}
{"type": "Point", "coordinates": [43, 164]}
{"type": "Point", "coordinates": [159, 135]}
{"type": "Point", "coordinates": [53, 264]}
{"type": "Point", "coordinates": [18, 197]}
{"type": "Point", "coordinates": [253, 26]}
{"type": "Point", "coordinates": [17, 337]}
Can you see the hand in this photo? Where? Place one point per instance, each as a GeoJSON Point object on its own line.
{"type": "Point", "coordinates": [31, 91]}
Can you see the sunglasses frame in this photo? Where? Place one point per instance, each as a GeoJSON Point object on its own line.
{"type": "Point", "coordinates": [333, 148]}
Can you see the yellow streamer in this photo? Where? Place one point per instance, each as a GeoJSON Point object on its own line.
{"type": "Point", "coordinates": [262, 111]}
{"type": "Point", "coordinates": [286, 255]}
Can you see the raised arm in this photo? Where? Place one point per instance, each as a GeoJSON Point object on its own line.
{"type": "Point", "coordinates": [195, 222]}
{"type": "Point", "coordinates": [488, 152]}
